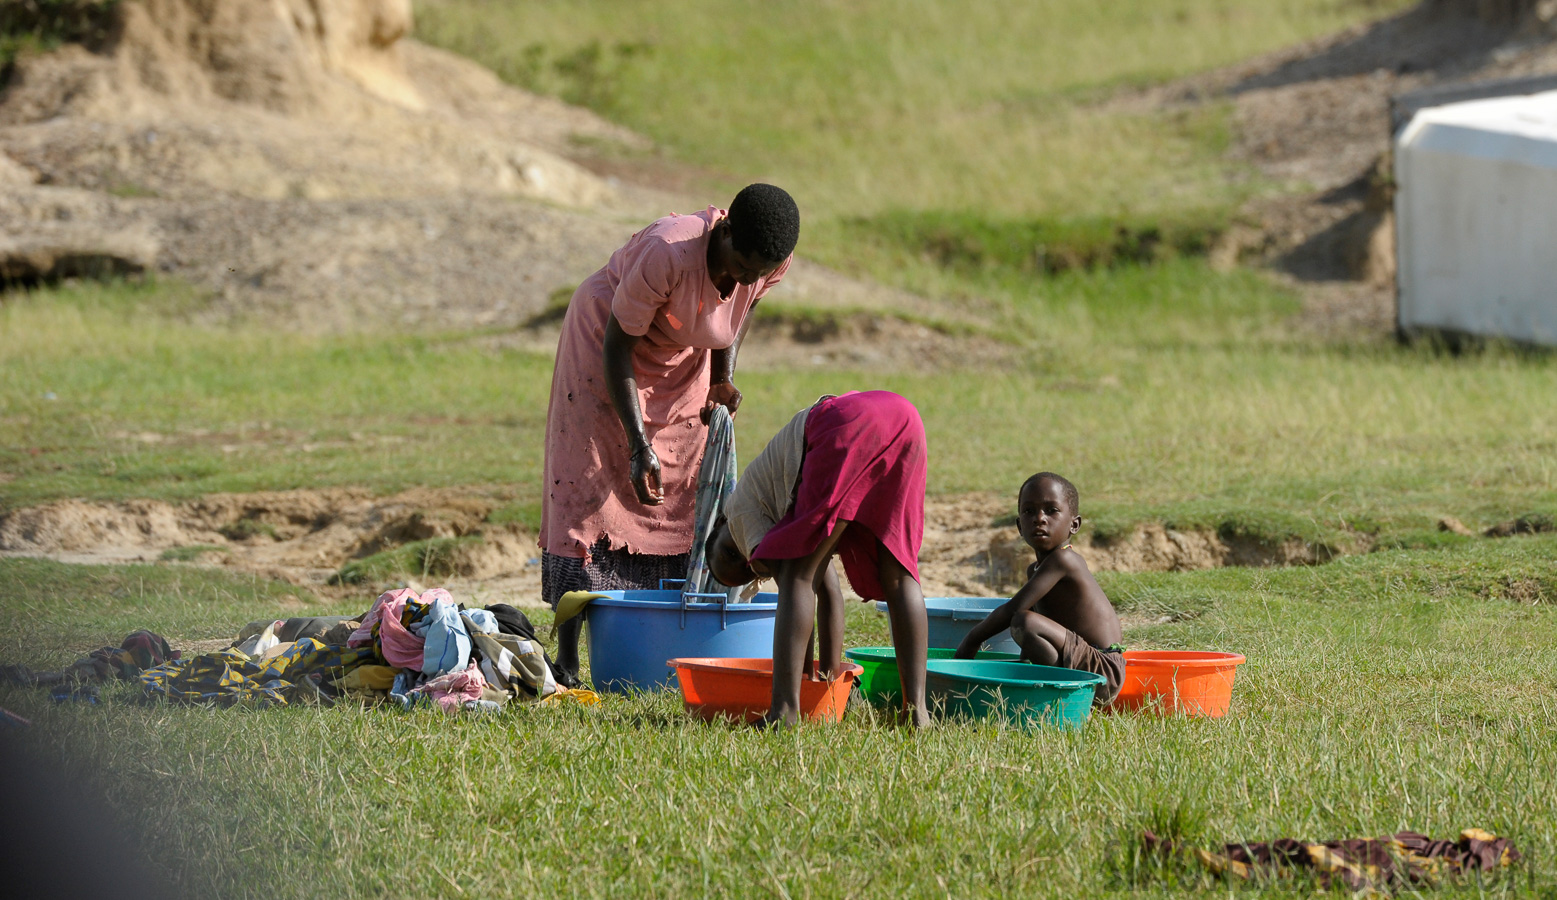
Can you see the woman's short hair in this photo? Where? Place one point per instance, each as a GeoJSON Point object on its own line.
{"type": "Point", "coordinates": [765, 221]}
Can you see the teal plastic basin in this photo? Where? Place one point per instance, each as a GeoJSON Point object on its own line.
{"type": "Point", "coordinates": [881, 685]}
{"type": "Point", "coordinates": [1021, 694]}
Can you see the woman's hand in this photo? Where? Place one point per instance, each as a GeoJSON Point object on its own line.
{"type": "Point", "coordinates": [721, 393]}
{"type": "Point", "coordinates": [646, 476]}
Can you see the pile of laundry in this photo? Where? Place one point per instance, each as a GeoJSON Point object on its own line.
{"type": "Point", "coordinates": [408, 649]}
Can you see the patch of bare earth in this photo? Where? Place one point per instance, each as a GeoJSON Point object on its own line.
{"type": "Point", "coordinates": [302, 537]}
{"type": "Point", "coordinates": [305, 537]}
{"type": "Point", "coordinates": [966, 554]}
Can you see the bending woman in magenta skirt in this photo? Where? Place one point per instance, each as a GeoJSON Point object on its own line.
{"type": "Point", "coordinates": [844, 478]}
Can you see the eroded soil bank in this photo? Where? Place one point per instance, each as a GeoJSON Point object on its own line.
{"type": "Point", "coordinates": [344, 541]}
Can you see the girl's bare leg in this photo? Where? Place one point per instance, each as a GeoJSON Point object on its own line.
{"type": "Point", "coordinates": [796, 580]}
{"type": "Point", "coordinates": [910, 633]}
{"type": "Point", "coordinates": [829, 622]}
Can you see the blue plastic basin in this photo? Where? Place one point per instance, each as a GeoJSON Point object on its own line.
{"type": "Point", "coordinates": [951, 618]}
{"type": "Point", "coordinates": [632, 633]}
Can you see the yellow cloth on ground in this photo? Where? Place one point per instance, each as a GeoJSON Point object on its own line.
{"type": "Point", "coordinates": [571, 604]}
{"type": "Point", "coordinates": [571, 695]}
{"type": "Point", "coordinates": [368, 678]}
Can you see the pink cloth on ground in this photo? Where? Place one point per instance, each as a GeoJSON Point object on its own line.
{"type": "Point", "coordinates": [866, 461]}
{"type": "Point", "coordinates": [399, 647]}
{"type": "Point", "coordinates": [657, 286]}
{"type": "Point", "coordinates": [363, 636]}
{"type": "Point", "coordinates": [452, 689]}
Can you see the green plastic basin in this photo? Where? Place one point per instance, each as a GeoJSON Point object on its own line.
{"type": "Point", "coordinates": [880, 685]}
{"type": "Point", "coordinates": [1022, 694]}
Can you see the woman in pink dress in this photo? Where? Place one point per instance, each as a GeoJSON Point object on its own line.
{"type": "Point", "coordinates": [648, 346]}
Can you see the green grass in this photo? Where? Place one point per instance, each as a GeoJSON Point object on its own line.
{"type": "Point", "coordinates": [1392, 691]}
{"type": "Point", "coordinates": [435, 557]}
{"type": "Point", "coordinates": [58, 612]}
{"type": "Point", "coordinates": [108, 393]}
{"type": "Point", "coordinates": [37, 26]}
{"type": "Point", "coordinates": [955, 151]}
{"type": "Point", "coordinates": [889, 104]}
{"type": "Point", "coordinates": [1169, 392]}
{"type": "Point", "coordinates": [970, 244]}
{"type": "Point", "coordinates": [189, 552]}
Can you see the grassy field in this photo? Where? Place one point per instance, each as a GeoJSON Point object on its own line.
{"type": "Point", "coordinates": [932, 147]}
{"type": "Point", "coordinates": [861, 108]}
{"type": "Point", "coordinates": [1167, 392]}
{"type": "Point", "coordinates": [1386, 692]}
{"type": "Point", "coordinates": [1401, 689]}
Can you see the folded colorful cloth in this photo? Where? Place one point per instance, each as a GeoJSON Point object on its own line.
{"type": "Point", "coordinates": [231, 676]}
{"type": "Point", "coordinates": [395, 642]}
{"type": "Point", "coordinates": [452, 690]}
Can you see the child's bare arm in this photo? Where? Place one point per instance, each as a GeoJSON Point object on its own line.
{"type": "Point", "coordinates": [1048, 574]}
{"type": "Point", "coordinates": [1045, 576]}
{"type": "Point", "coordinates": [998, 620]}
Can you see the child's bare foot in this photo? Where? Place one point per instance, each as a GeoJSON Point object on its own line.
{"type": "Point", "coordinates": [777, 720]}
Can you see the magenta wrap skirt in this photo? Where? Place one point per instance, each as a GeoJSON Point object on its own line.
{"type": "Point", "coordinates": [865, 462]}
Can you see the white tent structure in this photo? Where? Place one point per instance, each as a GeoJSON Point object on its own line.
{"type": "Point", "coordinates": [1476, 219]}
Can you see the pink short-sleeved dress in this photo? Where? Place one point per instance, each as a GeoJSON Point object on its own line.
{"type": "Point", "coordinates": [657, 285]}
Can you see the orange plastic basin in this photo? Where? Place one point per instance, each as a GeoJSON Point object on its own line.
{"type": "Point", "coordinates": [1193, 682]}
{"type": "Point", "coordinates": [742, 689]}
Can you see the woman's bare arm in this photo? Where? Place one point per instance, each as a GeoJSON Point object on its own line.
{"type": "Point", "coordinates": [721, 382]}
{"type": "Point", "coordinates": [622, 386]}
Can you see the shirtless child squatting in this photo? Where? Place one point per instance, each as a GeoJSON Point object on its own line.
{"type": "Point", "coordinates": [1060, 617]}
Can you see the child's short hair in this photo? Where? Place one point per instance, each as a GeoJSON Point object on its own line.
{"type": "Point", "coordinates": [1071, 496]}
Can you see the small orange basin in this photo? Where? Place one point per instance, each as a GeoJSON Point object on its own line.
{"type": "Point", "coordinates": [742, 689]}
{"type": "Point", "coordinates": [1192, 682]}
